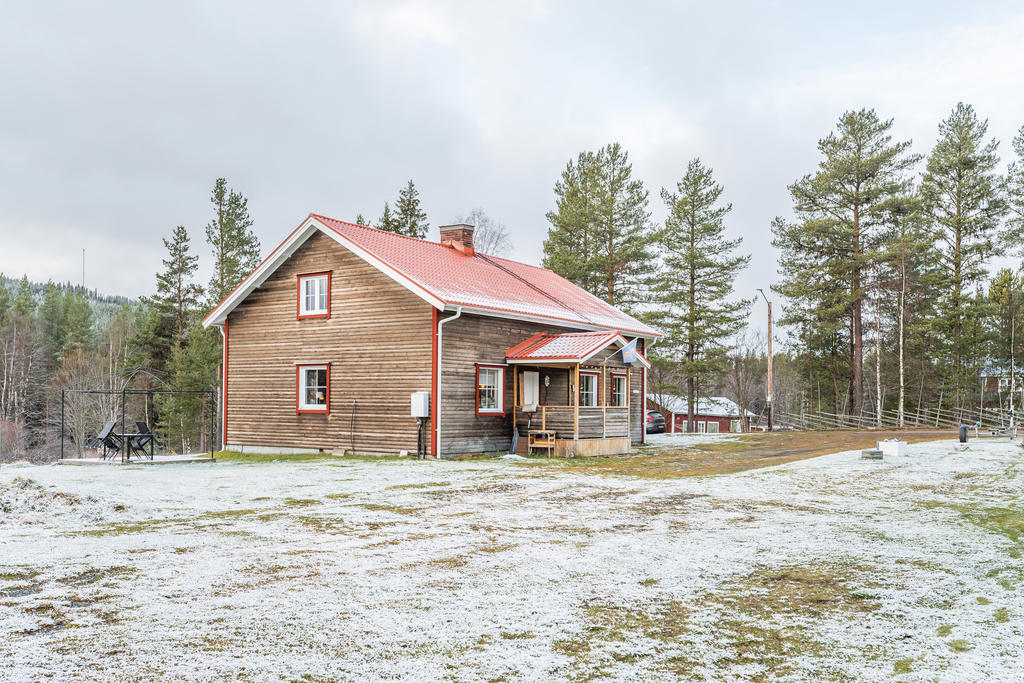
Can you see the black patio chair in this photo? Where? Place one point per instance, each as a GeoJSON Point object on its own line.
{"type": "Point", "coordinates": [110, 441]}
{"type": "Point", "coordinates": [145, 439]}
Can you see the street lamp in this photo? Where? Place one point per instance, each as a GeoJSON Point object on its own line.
{"type": "Point", "coordinates": [769, 392]}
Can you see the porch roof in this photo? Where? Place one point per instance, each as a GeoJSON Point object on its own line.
{"type": "Point", "coordinates": [569, 347]}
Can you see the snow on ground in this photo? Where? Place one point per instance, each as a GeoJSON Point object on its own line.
{"type": "Point", "coordinates": [829, 568]}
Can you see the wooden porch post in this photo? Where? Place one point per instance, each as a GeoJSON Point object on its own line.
{"type": "Point", "coordinates": [576, 406]}
{"type": "Point", "coordinates": [604, 401]}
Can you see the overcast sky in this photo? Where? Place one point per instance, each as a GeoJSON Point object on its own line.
{"type": "Point", "coordinates": [115, 118]}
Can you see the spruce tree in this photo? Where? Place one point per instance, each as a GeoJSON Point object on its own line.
{"type": "Point", "coordinates": [5, 301]}
{"type": "Point", "coordinates": [360, 220]}
{"type": "Point", "coordinates": [177, 295]}
{"type": "Point", "coordinates": [693, 291]}
{"type": "Point", "coordinates": [236, 249]}
{"type": "Point", "coordinates": [24, 305]}
{"type": "Point", "coordinates": [826, 253]}
{"type": "Point", "coordinates": [960, 193]}
{"type": "Point", "coordinates": [78, 322]}
{"type": "Point", "coordinates": [410, 219]}
{"type": "Point", "coordinates": [600, 228]}
{"type": "Point", "coordinates": [388, 222]}
{"type": "Point", "coordinates": [52, 322]}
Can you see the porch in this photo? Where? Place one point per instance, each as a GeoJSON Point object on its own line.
{"type": "Point", "coordinates": [572, 393]}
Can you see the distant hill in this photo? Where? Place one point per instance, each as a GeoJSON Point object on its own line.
{"type": "Point", "coordinates": [103, 305]}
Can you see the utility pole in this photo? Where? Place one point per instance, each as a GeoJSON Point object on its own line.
{"type": "Point", "coordinates": [770, 359]}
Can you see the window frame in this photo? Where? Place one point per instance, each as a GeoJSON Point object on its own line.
{"type": "Point", "coordinates": [301, 408]}
{"type": "Point", "coordinates": [625, 390]}
{"type": "Point", "coordinates": [300, 297]}
{"type": "Point", "coordinates": [500, 388]}
{"type": "Point", "coordinates": [597, 388]}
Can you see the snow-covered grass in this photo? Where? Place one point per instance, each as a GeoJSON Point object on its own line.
{"type": "Point", "coordinates": [829, 568]}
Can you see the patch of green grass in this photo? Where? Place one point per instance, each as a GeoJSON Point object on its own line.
{"type": "Point", "coordinates": [18, 574]}
{"type": "Point", "coordinates": [523, 635]}
{"type": "Point", "coordinates": [944, 630]}
{"type": "Point", "coordinates": [300, 502]}
{"type": "Point", "coordinates": [902, 666]}
{"type": "Point", "coordinates": [1002, 615]}
{"type": "Point", "coordinates": [237, 457]}
{"type": "Point", "coordinates": [397, 509]}
{"type": "Point", "coordinates": [959, 645]}
{"type": "Point", "coordinates": [424, 485]}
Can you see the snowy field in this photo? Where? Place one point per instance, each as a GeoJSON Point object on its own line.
{"type": "Point", "coordinates": [833, 568]}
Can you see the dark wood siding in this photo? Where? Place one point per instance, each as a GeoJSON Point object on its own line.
{"type": "Point", "coordinates": [377, 340]}
{"type": "Point", "coordinates": [474, 339]}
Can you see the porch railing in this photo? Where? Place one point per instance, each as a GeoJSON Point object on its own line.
{"type": "Point", "coordinates": [595, 422]}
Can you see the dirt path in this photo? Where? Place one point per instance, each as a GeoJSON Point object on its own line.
{"type": "Point", "coordinates": [746, 452]}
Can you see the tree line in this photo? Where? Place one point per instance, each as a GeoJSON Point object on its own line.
{"type": "Point", "coordinates": [884, 270]}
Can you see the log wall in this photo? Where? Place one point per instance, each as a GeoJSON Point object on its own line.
{"type": "Point", "coordinates": [377, 340]}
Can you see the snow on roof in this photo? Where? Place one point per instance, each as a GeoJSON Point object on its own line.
{"type": "Point", "coordinates": [715, 406]}
{"type": "Point", "coordinates": [448, 278]}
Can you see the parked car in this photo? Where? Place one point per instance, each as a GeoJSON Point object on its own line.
{"type": "Point", "coordinates": [655, 422]}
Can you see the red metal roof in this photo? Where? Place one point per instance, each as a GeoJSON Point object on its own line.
{"type": "Point", "coordinates": [572, 346]}
{"type": "Point", "coordinates": [487, 282]}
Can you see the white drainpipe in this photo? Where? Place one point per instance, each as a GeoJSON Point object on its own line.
{"type": "Point", "coordinates": [440, 355]}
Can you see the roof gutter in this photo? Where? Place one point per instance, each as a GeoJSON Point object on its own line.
{"type": "Point", "coordinates": [440, 374]}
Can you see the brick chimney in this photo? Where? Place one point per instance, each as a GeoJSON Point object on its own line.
{"type": "Point", "coordinates": [458, 237]}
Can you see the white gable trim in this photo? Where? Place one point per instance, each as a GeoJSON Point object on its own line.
{"type": "Point", "coordinates": [286, 249]}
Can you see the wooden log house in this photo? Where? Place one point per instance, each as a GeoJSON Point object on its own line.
{"type": "Point", "coordinates": [327, 340]}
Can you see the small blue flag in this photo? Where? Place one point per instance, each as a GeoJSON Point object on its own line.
{"type": "Point", "coordinates": [629, 352]}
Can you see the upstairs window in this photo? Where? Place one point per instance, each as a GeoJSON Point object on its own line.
{"type": "Point", "coordinates": [490, 390]}
{"type": "Point", "coordinates": [315, 295]}
{"type": "Point", "coordinates": [588, 388]}
{"type": "Point", "coordinates": [619, 390]}
{"type": "Point", "coordinates": [313, 393]}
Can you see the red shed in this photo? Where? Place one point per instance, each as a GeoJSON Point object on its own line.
{"type": "Point", "coordinates": [713, 414]}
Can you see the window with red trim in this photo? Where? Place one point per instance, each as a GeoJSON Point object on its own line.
{"type": "Point", "coordinates": [313, 388]}
{"type": "Point", "coordinates": [490, 390]}
{"type": "Point", "coordinates": [619, 390]}
{"type": "Point", "coordinates": [314, 295]}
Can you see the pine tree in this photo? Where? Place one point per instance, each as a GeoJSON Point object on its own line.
{"type": "Point", "coordinates": [600, 228]}
{"type": "Point", "coordinates": [826, 253]}
{"type": "Point", "coordinates": [236, 249]}
{"type": "Point", "coordinates": [693, 291]}
{"type": "Point", "coordinates": [360, 220]}
{"type": "Point", "coordinates": [1015, 198]}
{"type": "Point", "coordinates": [388, 222]}
{"type": "Point", "coordinates": [569, 246]}
{"type": "Point", "coordinates": [410, 219]}
{"type": "Point", "coordinates": [960, 192]}
{"type": "Point", "coordinates": [623, 231]}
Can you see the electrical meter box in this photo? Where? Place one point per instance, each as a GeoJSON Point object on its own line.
{"type": "Point", "coordinates": [420, 404]}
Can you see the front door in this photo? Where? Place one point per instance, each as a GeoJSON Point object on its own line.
{"type": "Point", "coordinates": [531, 388]}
